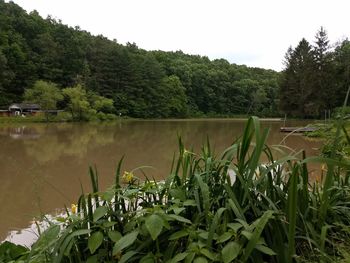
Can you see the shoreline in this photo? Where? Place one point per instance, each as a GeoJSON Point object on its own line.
{"type": "Point", "coordinates": [20, 120]}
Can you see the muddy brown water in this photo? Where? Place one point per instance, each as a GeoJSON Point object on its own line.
{"type": "Point", "coordinates": [43, 165]}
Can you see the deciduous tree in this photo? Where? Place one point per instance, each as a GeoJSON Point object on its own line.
{"type": "Point", "coordinates": [45, 94]}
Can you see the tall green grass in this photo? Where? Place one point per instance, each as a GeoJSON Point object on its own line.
{"type": "Point", "coordinates": [270, 211]}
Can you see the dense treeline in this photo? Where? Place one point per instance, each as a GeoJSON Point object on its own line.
{"type": "Point", "coordinates": [316, 77]}
{"type": "Point", "coordinates": [140, 83]}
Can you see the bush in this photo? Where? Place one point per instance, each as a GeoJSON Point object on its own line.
{"type": "Point", "coordinates": [337, 112]}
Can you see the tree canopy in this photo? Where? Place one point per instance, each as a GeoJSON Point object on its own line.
{"type": "Point", "coordinates": [147, 84]}
{"type": "Point", "coordinates": [44, 93]}
{"type": "Point", "coordinates": [315, 78]}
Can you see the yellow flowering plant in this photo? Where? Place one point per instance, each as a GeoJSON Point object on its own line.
{"type": "Point", "coordinates": [74, 208]}
{"type": "Point", "coordinates": [128, 177]}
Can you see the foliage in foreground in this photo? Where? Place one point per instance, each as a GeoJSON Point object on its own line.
{"type": "Point", "coordinates": [231, 208]}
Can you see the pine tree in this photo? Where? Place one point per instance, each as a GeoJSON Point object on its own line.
{"type": "Point", "coordinates": [342, 66]}
{"type": "Point", "coordinates": [324, 86]}
{"type": "Point", "coordinates": [296, 97]}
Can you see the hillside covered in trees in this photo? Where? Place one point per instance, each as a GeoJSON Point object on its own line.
{"type": "Point", "coordinates": [146, 84]}
{"type": "Point", "coordinates": [158, 84]}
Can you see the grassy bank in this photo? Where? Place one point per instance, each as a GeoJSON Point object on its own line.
{"type": "Point", "coordinates": [66, 117]}
{"type": "Point", "coordinates": [211, 208]}
{"type": "Point", "coordinates": [61, 117]}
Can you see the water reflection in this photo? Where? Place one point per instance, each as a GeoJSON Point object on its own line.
{"type": "Point", "coordinates": [67, 140]}
{"type": "Point", "coordinates": [43, 166]}
{"type": "Point", "coordinates": [20, 132]}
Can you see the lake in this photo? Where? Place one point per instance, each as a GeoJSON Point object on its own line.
{"type": "Point", "coordinates": [43, 165]}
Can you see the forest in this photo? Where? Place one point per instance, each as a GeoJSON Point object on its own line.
{"type": "Point", "coordinates": [158, 84]}
{"type": "Point", "coordinates": [144, 84]}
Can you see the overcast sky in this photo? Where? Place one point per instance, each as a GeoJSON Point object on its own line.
{"type": "Point", "coordinates": [252, 32]}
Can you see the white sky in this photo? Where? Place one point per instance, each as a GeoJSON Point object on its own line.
{"type": "Point", "coordinates": [252, 32]}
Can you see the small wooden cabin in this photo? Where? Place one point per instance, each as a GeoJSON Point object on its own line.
{"type": "Point", "coordinates": [24, 108]}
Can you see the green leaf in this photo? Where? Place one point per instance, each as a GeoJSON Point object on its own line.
{"type": "Point", "coordinates": [108, 195]}
{"type": "Point", "coordinates": [266, 250]}
{"type": "Point", "coordinates": [131, 192]}
{"type": "Point", "coordinates": [179, 234]}
{"type": "Point", "coordinates": [248, 235]}
{"type": "Point", "coordinates": [48, 236]}
{"type": "Point", "coordinates": [179, 257]}
{"type": "Point", "coordinates": [190, 203]}
{"type": "Point", "coordinates": [61, 219]}
{"type": "Point", "coordinates": [124, 242]}
{"type": "Point", "coordinates": [235, 226]}
{"type": "Point", "coordinates": [66, 245]}
{"type": "Point", "coordinates": [80, 232]}
{"type": "Point", "coordinates": [200, 260]}
{"type": "Point", "coordinates": [154, 225]}
{"type": "Point", "coordinates": [108, 224]}
{"type": "Point", "coordinates": [204, 234]}
{"type": "Point", "coordinates": [230, 251]}
{"type": "Point", "coordinates": [178, 194]}
{"type": "Point", "coordinates": [208, 254]}
{"type": "Point", "coordinates": [13, 251]}
{"type": "Point", "coordinates": [224, 237]}
{"type": "Point", "coordinates": [190, 257]}
{"type": "Point", "coordinates": [99, 212]}
{"type": "Point", "coordinates": [92, 259]}
{"type": "Point", "coordinates": [114, 235]}
{"type": "Point", "coordinates": [178, 210]}
{"type": "Point", "coordinates": [260, 225]}
{"type": "Point", "coordinates": [95, 241]}
{"type": "Point", "coordinates": [292, 211]}
{"type": "Point", "coordinates": [127, 256]}
{"type": "Point", "coordinates": [205, 193]}
{"type": "Point", "coordinates": [180, 218]}
{"type": "Point", "coordinates": [214, 224]}
{"type": "Point", "coordinates": [149, 258]}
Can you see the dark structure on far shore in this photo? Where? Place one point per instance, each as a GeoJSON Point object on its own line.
{"type": "Point", "coordinates": [19, 109]}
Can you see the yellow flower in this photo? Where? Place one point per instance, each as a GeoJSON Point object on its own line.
{"type": "Point", "coordinates": [74, 208]}
{"type": "Point", "coordinates": [128, 177]}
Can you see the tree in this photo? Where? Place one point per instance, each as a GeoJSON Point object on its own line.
{"type": "Point", "coordinates": [6, 77]}
{"type": "Point", "coordinates": [297, 92]}
{"type": "Point", "coordinates": [45, 94]}
{"type": "Point", "coordinates": [342, 70]}
{"type": "Point", "coordinates": [325, 91]}
{"type": "Point", "coordinates": [259, 99]}
{"type": "Point", "coordinates": [78, 103]}
{"type": "Point", "coordinates": [100, 104]}
{"type": "Point", "coordinates": [174, 97]}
